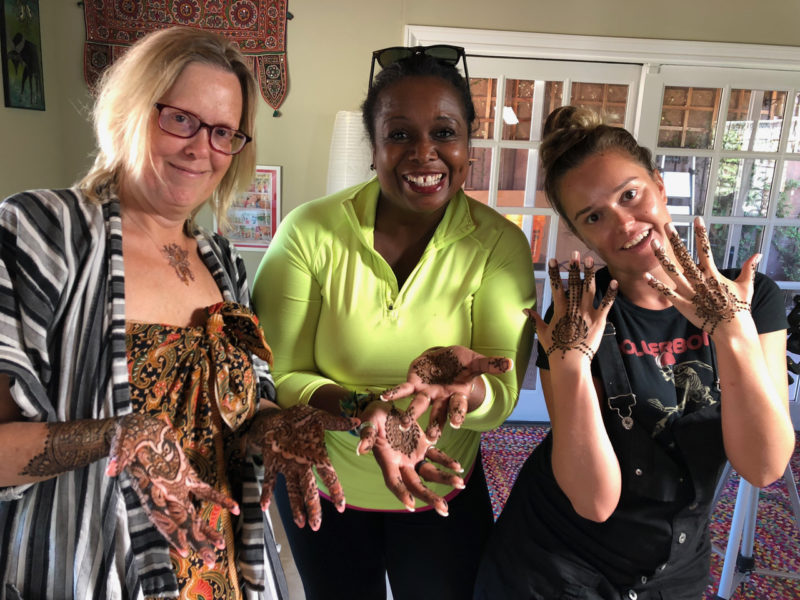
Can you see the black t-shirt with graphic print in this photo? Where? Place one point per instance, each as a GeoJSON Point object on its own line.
{"type": "Point", "coordinates": [671, 458]}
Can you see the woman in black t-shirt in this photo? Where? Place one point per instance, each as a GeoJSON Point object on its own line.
{"type": "Point", "coordinates": [655, 370]}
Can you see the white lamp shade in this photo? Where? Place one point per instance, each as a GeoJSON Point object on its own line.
{"type": "Point", "coordinates": [350, 154]}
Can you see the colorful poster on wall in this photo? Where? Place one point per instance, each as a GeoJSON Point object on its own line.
{"type": "Point", "coordinates": [254, 215]}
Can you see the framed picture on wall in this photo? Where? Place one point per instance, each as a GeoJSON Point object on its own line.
{"type": "Point", "coordinates": [254, 215]}
{"type": "Point", "coordinates": [21, 38]}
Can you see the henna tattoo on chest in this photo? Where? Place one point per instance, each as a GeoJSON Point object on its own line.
{"type": "Point", "coordinates": [178, 259]}
{"type": "Point", "coordinates": [71, 445]}
{"type": "Point", "coordinates": [438, 368]}
{"type": "Point", "coordinates": [401, 441]}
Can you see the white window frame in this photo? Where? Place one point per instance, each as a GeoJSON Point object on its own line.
{"type": "Point", "coordinates": [650, 54]}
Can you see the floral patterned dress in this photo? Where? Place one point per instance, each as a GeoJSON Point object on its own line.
{"type": "Point", "coordinates": [201, 381]}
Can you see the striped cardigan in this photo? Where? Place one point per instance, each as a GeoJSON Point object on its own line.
{"type": "Point", "coordinates": [83, 535]}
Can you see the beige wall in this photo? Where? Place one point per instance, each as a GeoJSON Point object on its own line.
{"type": "Point", "coordinates": [329, 46]}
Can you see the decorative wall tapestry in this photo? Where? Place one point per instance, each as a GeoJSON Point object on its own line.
{"type": "Point", "coordinates": [258, 26]}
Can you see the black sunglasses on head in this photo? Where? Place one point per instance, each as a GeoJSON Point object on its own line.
{"type": "Point", "coordinates": [444, 53]}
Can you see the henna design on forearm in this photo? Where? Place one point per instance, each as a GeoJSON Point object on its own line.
{"type": "Point", "coordinates": [71, 445]}
{"type": "Point", "coordinates": [401, 441]}
{"type": "Point", "coordinates": [438, 368]}
{"type": "Point", "coordinates": [571, 330]}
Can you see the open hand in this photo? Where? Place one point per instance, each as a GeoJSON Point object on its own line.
{"type": "Point", "coordinates": [576, 325]}
{"type": "Point", "coordinates": [444, 379]}
{"type": "Point", "coordinates": [147, 450]}
{"type": "Point", "coordinates": [701, 293]}
{"type": "Point", "coordinates": [406, 456]}
{"type": "Point", "coordinates": [292, 441]}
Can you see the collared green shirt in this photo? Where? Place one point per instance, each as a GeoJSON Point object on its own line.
{"type": "Point", "coordinates": [332, 312]}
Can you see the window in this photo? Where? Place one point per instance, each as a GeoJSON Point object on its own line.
{"type": "Point", "coordinates": [723, 121]}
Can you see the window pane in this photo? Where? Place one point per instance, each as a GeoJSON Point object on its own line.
{"type": "Point", "coordinates": [477, 182]}
{"type": "Point", "coordinates": [784, 254]}
{"type": "Point", "coordinates": [688, 117]}
{"type": "Point", "coordinates": [743, 187]}
{"type": "Point", "coordinates": [537, 230]}
{"type": "Point", "coordinates": [789, 197]}
{"type": "Point", "coordinates": [553, 98]}
{"type": "Point", "coordinates": [517, 109]}
{"type": "Point", "coordinates": [484, 93]}
{"type": "Point", "coordinates": [731, 245]}
{"type": "Point", "coordinates": [511, 182]}
{"type": "Point", "coordinates": [794, 129]}
{"type": "Point", "coordinates": [607, 100]}
{"type": "Point", "coordinates": [686, 182]}
{"type": "Point", "coordinates": [754, 120]}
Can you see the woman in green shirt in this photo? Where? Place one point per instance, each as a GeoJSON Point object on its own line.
{"type": "Point", "coordinates": [353, 289]}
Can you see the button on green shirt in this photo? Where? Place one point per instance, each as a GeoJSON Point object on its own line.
{"type": "Point", "coordinates": [332, 313]}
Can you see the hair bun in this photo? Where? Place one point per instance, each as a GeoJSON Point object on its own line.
{"type": "Point", "coordinates": [571, 117]}
{"type": "Point", "coordinates": [565, 128]}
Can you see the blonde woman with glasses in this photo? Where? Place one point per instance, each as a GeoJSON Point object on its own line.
{"type": "Point", "coordinates": [136, 402]}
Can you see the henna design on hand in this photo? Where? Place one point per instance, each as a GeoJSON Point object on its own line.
{"type": "Point", "coordinates": [669, 266]}
{"type": "Point", "coordinates": [714, 301]}
{"type": "Point", "coordinates": [571, 330]}
{"type": "Point", "coordinates": [457, 410]}
{"type": "Point", "coordinates": [292, 441]}
{"type": "Point", "coordinates": [71, 445]}
{"type": "Point", "coordinates": [702, 234]}
{"type": "Point", "coordinates": [554, 273]}
{"type": "Point", "coordinates": [588, 275]}
{"type": "Point", "coordinates": [438, 368]}
{"type": "Point", "coordinates": [400, 439]}
{"type": "Point", "coordinates": [660, 287]}
{"type": "Point", "coordinates": [609, 296]}
{"type": "Point", "coordinates": [690, 268]}
{"type": "Point", "coordinates": [162, 477]}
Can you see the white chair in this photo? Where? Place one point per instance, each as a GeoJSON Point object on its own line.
{"type": "Point", "coordinates": [739, 563]}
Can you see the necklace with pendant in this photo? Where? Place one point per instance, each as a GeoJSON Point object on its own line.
{"type": "Point", "coordinates": [177, 257]}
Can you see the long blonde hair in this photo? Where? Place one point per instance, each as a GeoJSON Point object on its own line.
{"type": "Point", "coordinates": [128, 90]}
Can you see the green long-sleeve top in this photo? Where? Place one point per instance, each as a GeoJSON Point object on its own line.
{"type": "Point", "coordinates": [332, 312]}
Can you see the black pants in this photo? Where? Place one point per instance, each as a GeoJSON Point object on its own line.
{"type": "Point", "coordinates": [426, 556]}
{"type": "Point", "coordinates": [523, 561]}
